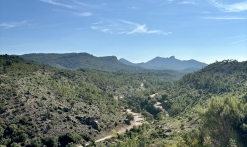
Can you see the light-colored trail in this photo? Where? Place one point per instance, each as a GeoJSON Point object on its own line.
{"type": "Point", "coordinates": [138, 120]}
{"type": "Point", "coordinates": [158, 105]}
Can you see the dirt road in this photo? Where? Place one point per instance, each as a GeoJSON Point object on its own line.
{"type": "Point", "coordinates": [158, 105]}
{"type": "Point", "coordinates": [138, 120]}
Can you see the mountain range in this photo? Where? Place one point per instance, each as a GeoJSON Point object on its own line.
{"type": "Point", "coordinates": [168, 63]}
{"type": "Point", "coordinates": [80, 60]}
{"type": "Point", "coordinates": [41, 105]}
{"type": "Point", "coordinates": [111, 63]}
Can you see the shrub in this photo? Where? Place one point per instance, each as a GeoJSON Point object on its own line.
{"type": "Point", "coordinates": [66, 138]}
{"type": "Point", "coordinates": [20, 136]}
{"type": "Point", "coordinates": [35, 143]}
{"type": "Point", "coordinates": [71, 144]}
{"type": "Point", "coordinates": [130, 117]}
{"type": "Point", "coordinates": [14, 144]}
{"type": "Point", "coordinates": [50, 141]}
{"type": "Point", "coordinates": [23, 120]}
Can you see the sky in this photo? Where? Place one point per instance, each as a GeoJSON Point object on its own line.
{"type": "Point", "coordinates": [137, 30]}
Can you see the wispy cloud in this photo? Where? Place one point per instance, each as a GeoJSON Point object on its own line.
{"type": "Point", "coordinates": [126, 27]}
{"type": "Point", "coordinates": [85, 14]}
{"type": "Point", "coordinates": [142, 29]}
{"type": "Point", "coordinates": [187, 3]}
{"type": "Point", "coordinates": [166, 2]}
{"type": "Point", "coordinates": [226, 18]}
{"type": "Point", "coordinates": [88, 5]}
{"type": "Point", "coordinates": [13, 24]}
{"type": "Point", "coordinates": [245, 40]}
{"type": "Point", "coordinates": [237, 7]}
{"type": "Point", "coordinates": [58, 4]}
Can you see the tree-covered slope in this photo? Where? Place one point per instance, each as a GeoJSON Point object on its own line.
{"type": "Point", "coordinates": [206, 109]}
{"type": "Point", "coordinates": [216, 79]}
{"type": "Point", "coordinates": [38, 101]}
{"type": "Point", "coordinates": [81, 60]}
{"type": "Point", "coordinates": [40, 104]}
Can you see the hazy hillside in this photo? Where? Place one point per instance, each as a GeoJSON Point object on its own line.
{"type": "Point", "coordinates": [169, 63]}
{"type": "Point", "coordinates": [81, 60]}
{"type": "Point", "coordinates": [127, 62]}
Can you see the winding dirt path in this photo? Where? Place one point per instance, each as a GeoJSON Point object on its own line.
{"type": "Point", "coordinates": [138, 120]}
{"type": "Point", "coordinates": [158, 105]}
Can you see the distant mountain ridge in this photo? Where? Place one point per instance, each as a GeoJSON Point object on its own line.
{"type": "Point", "coordinates": [80, 60]}
{"type": "Point", "coordinates": [168, 63]}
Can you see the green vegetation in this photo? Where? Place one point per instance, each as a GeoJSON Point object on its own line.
{"type": "Point", "coordinates": [216, 79]}
{"type": "Point", "coordinates": [81, 60]}
{"type": "Point", "coordinates": [42, 105]}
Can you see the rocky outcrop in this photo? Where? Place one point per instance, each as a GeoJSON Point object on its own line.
{"type": "Point", "coordinates": [89, 121]}
{"type": "Point", "coordinates": [127, 122]}
{"type": "Point", "coordinates": [93, 122]}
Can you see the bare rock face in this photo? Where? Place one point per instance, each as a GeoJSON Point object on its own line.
{"type": "Point", "coordinates": [89, 121]}
{"type": "Point", "coordinates": [127, 122]}
{"type": "Point", "coordinates": [93, 122]}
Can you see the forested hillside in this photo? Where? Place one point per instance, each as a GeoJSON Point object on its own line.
{"type": "Point", "coordinates": [43, 105]}
{"type": "Point", "coordinates": [81, 60]}
{"type": "Point", "coordinates": [39, 104]}
{"type": "Point", "coordinates": [217, 79]}
{"type": "Point", "coordinates": [206, 109]}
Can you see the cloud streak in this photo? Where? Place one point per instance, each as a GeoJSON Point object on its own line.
{"type": "Point", "coordinates": [84, 14]}
{"type": "Point", "coordinates": [13, 24]}
{"type": "Point", "coordinates": [142, 29]}
{"type": "Point", "coordinates": [226, 18]}
{"type": "Point", "coordinates": [90, 6]}
{"type": "Point", "coordinates": [237, 7]}
{"type": "Point", "coordinates": [166, 2]}
{"type": "Point", "coordinates": [126, 27]}
{"type": "Point", "coordinates": [239, 41]}
{"type": "Point", "coordinates": [58, 4]}
{"type": "Point", "coordinates": [187, 3]}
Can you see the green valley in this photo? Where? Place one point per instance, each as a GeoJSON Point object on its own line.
{"type": "Point", "coordinates": [77, 99]}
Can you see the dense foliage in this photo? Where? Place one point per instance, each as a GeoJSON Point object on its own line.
{"type": "Point", "coordinates": [223, 123]}
{"type": "Point", "coordinates": [216, 79]}
{"type": "Point", "coordinates": [38, 101]}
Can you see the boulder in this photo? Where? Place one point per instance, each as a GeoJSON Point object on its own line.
{"type": "Point", "coordinates": [127, 122]}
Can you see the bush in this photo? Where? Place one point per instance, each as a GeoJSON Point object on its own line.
{"type": "Point", "coordinates": [14, 144]}
{"type": "Point", "coordinates": [50, 141]}
{"type": "Point", "coordinates": [130, 117]}
{"type": "Point", "coordinates": [1, 132]}
{"type": "Point", "coordinates": [223, 118]}
{"type": "Point", "coordinates": [71, 145]}
{"type": "Point", "coordinates": [86, 137]}
{"type": "Point", "coordinates": [35, 142]}
{"type": "Point", "coordinates": [20, 136]}
{"type": "Point", "coordinates": [23, 120]}
{"type": "Point", "coordinates": [66, 138]}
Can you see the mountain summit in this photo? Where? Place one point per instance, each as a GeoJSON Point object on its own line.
{"type": "Point", "coordinates": [168, 63]}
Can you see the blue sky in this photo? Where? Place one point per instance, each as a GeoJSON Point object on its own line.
{"type": "Point", "coordinates": [137, 30]}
